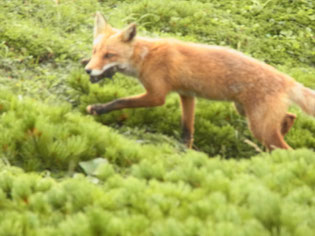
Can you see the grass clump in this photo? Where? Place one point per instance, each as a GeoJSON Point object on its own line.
{"type": "Point", "coordinates": [269, 194]}
{"type": "Point", "coordinates": [37, 136]}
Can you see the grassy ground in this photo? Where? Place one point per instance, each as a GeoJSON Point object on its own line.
{"type": "Point", "coordinates": [127, 173]}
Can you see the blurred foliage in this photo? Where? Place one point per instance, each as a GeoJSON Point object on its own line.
{"type": "Point", "coordinates": [187, 194]}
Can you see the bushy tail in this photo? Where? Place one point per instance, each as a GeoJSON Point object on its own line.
{"type": "Point", "coordinates": [304, 97]}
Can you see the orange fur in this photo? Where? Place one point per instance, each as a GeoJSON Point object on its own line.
{"type": "Point", "coordinates": [260, 92]}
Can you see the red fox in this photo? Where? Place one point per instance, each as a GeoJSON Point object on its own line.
{"type": "Point", "coordinates": [259, 91]}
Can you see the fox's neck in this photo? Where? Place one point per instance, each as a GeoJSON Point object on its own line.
{"type": "Point", "coordinates": [142, 47]}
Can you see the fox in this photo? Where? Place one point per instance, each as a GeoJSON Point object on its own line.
{"type": "Point", "coordinates": [260, 92]}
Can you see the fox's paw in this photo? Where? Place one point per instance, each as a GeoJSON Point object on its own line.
{"type": "Point", "coordinates": [92, 109]}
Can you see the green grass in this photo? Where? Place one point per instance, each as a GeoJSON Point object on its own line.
{"type": "Point", "coordinates": [186, 194]}
{"type": "Point", "coordinates": [52, 177]}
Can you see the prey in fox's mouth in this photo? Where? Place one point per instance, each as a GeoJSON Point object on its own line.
{"type": "Point", "coordinates": [109, 73]}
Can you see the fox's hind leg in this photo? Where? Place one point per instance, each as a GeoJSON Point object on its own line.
{"type": "Point", "coordinates": [286, 124]}
{"type": "Point", "coordinates": [266, 123]}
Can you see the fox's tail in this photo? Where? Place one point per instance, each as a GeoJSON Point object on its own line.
{"type": "Point", "coordinates": [304, 97]}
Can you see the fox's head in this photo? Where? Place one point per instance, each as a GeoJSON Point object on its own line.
{"type": "Point", "coordinates": [112, 50]}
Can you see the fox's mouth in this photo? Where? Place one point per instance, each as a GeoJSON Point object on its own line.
{"type": "Point", "coordinates": [109, 73]}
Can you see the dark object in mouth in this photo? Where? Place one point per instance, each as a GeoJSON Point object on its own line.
{"type": "Point", "coordinates": [109, 73]}
{"type": "Point", "coordinates": [106, 74]}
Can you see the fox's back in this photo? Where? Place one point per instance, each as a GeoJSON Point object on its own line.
{"type": "Point", "coordinates": [217, 72]}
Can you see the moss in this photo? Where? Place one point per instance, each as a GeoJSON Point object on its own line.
{"type": "Point", "coordinates": [267, 194]}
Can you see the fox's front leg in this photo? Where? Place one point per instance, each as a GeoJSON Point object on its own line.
{"type": "Point", "coordinates": [142, 100]}
{"type": "Point", "coordinates": [188, 116]}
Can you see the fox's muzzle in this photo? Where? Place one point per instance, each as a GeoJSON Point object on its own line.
{"type": "Point", "coordinates": [109, 73]}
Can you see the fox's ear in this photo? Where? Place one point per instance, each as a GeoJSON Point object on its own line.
{"type": "Point", "coordinates": [128, 34]}
{"type": "Point", "coordinates": [99, 24]}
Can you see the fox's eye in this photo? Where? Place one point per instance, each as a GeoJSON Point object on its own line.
{"type": "Point", "coordinates": [108, 55]}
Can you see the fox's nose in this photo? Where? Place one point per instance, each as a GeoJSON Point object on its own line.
{"type": "Point", "coordinates": [88, 71]}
